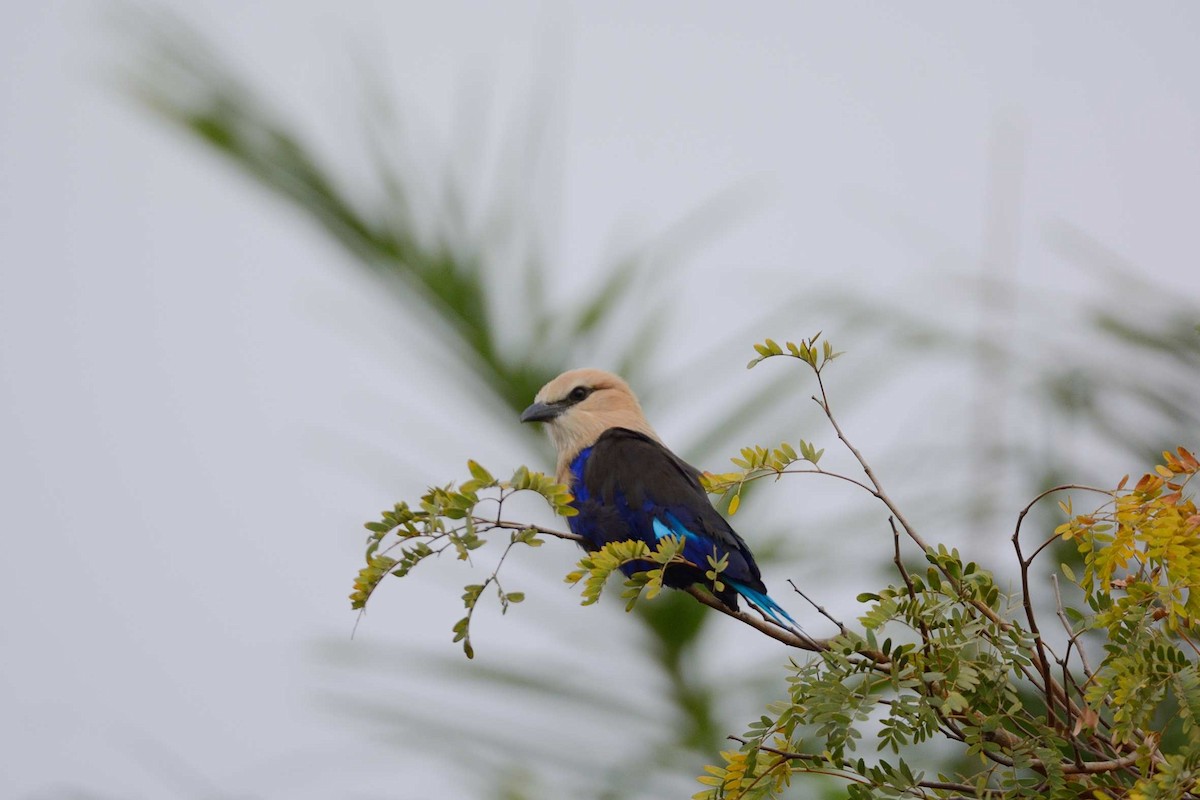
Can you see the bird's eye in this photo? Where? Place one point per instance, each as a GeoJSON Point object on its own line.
{"type": "Point", "coordinates": [578, 393]}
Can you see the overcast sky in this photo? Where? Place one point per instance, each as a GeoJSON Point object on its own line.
{"type": "Point", "coordinates": [199, 395]}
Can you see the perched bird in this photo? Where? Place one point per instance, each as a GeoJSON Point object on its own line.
{"type": "Point", "coordinates": [628, 485]}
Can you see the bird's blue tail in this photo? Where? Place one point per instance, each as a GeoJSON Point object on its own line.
{"type": "Point", "coordinates": [763, 603]}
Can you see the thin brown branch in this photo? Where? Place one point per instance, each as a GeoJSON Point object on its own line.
{"type": "Point", "coordinates": [772, 629]}
{"type": "Point", "coordinates": [907, 580]}
{"type": "Point", "coordinates": [1093, 767]}
{"type": "Point", "coordinates": [1052, 689]}
{"type": "Point", "coordinates": [845, 765]}
{"type": "Point", "coordinates": [521, 526]}
{"type": "Point", "coordinates": [1050, 686]}
{"type": "Point", "coordinates": [820, 610]}
{"type": "Point", "coordinates": [1074, 636]}
{"type": "Point", "coordinates": [1049, 541]}
{"type": "Point", "coordinates": [781, 763]}
{"type": "Point", "coordinates": [827, 474]}
{"type": "Point", "coordinates": [1067, 680]}
{"type": "Point", "coordinates": [823, 402]}
{"type": "Point", "coordinates": [879, 492]}
{"type": "Point", "coordinates": [1183, 635]}
{"type": "Point", "coordinates": [1043, 662]}
{"type": "Point", "coordinates": [1064, 487]}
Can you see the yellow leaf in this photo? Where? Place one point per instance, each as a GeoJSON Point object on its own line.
{"type": "Point", "coordinates": [734, 502]}
{"type": "Point", "coordinates": [1148, 484]}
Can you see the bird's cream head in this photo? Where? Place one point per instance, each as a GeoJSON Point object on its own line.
{"type": "Point", "coordinates": [579, 405]}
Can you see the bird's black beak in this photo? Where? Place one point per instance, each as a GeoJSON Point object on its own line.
{"type": "Point", "coordinates": [541, 412]}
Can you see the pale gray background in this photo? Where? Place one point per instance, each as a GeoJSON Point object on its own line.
{"type": "Point", "coordinates": [200, 401]}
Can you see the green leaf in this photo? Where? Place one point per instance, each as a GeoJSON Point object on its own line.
{"type": "Point", "coordinates": [480, 474]}
{"type": "Point", "coordinates": [471, 594]}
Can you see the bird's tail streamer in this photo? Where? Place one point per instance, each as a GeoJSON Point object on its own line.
{"type": "Point", "coordinates": [767, 606]}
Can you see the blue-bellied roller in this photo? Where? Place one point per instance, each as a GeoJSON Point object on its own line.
{"type": "Point", "coordinates": [628, 485]}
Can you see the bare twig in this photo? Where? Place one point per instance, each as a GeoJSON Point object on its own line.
{"type": "Point", "coordinates": [1064, 487]}
{"type": "Point", "coordinates": [826, 473]}
{"type": "Point", "coordinates": [1038, 551]}
{"type": "Point", "coordinates": [823, 402]}
{"type": "Point", "coordinates": [820, 610]}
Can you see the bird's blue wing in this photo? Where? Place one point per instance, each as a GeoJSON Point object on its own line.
{"type": "Point", "coordinates": [628, 486]}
